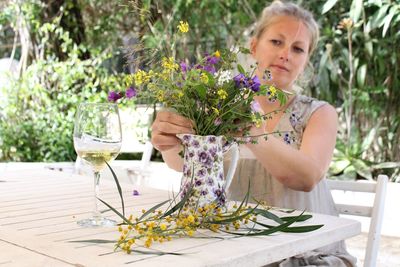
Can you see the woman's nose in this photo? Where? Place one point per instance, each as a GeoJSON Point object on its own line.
{"type": "Point", "coordinates": [284, 54]}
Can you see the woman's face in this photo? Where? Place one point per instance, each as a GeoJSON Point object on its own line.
{"type": "Point", "coordinates": [283, 49]}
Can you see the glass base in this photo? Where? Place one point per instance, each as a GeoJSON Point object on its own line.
{"type": "Point", "coordinates": [97, 222]}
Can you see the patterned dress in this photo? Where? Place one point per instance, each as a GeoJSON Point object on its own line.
{"type": "Point", "coordinates": [264, 187]}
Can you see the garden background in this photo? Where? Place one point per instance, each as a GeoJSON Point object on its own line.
{"type": "Point", "coordinates": [55, 54]}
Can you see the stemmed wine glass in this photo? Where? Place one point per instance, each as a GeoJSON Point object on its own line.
{"type": "Point", "coordinates": [97, 140]}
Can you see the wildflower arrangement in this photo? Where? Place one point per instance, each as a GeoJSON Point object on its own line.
{"type": "Point", "coordinates": [173, 219]}
{"type": "Point", "coordinates": [216, 93]}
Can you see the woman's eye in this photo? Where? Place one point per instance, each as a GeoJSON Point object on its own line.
{"type": "Point", "coordinates": [298, 49]}
{"type": "Point", "coordinates": [276, 42]}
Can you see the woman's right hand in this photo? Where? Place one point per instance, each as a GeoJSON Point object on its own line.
{"type": "Point", "coordinates": [165, 128]}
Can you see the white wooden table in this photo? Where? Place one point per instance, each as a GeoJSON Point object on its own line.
{"type": "Point", "coordinates": [39, 210]}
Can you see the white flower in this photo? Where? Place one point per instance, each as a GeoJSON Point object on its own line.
{"type": "Point", "coordinates": [223, 76]}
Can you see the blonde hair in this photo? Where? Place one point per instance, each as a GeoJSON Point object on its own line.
{"type": "Point", "coordinates": [279, 8]}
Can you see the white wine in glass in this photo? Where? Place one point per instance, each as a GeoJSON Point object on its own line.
{"type": "Point", "coordinates": [97, 140]}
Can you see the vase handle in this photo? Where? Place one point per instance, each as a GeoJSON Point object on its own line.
{"type": "Point", "coordinates": [233, 165]}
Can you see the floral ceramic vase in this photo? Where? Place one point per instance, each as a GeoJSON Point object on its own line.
{"type": "Point", "coordinates": [203, 170]}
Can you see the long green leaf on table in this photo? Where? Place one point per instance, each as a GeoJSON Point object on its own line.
{"type": "Point", "coordinates": [119, 188]}
{"type": "Point", "coordinates": [116, 211]}
{"type": "Point", "coordinates": [153, 209]}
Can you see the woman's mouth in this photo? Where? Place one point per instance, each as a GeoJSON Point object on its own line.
{"type": "Point", "coordinates": [280, 68]}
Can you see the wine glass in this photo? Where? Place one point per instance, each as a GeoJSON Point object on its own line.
{"type": "Point", "coordinates": [97, 140]}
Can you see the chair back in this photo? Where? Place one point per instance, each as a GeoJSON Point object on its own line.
{"type": "Point", "coordinates": [375, 212]}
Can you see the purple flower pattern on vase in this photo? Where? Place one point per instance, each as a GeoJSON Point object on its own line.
{"type": "Point", "coordinates": [203, 169]}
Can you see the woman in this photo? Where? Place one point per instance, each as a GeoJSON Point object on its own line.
{"type": "Point", "coordinates": [285, 172]}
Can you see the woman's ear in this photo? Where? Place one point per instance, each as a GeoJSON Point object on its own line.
{"type": "Point", "coordinates": [253, 46]}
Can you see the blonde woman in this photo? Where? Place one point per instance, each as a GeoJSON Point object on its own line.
{"type": "Point", "coordinates": [287, 171]}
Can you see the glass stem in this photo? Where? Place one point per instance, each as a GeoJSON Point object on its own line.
{"type": "Point", "coordinates": [96, 213]}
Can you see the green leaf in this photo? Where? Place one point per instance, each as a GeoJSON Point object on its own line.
{"type": "Point", "coordinates": [388, 19]}
{"type": "Point", "coordinates": [368, 140]}
{"type": "Point", "coordinates": [241, 69]}
{"type": "Point", "coordinates": [119, 188]}
{"type": "Point", "coordinates": [362, 169]}
{"type": "Point", "coordinates": [270, 230]}
{"type": "Point", "coordinates": [386, 165]}
{"type": "Point", "coordinates": [294, 229]}
{"type": "Point", "coordinates": [339, 166]}
{"type": "Point", "coordinates": [355, 10]}
{"type": "Point", "coordinates": [302, 218]}
{"type": "Point", "coordinates": [95, 241]}
{"type": "Point", "coordinates": [116, 212]}
{"type": "Point", "coordinates": [211, 79]}
{"type": "Point", "coordinates": [154, 208]}
{"type": "Point", "coordinates": [379, 16]}
{"type": "Point", "coordinates": [269, 215]}
{"type": "Point", "coordinates": [328, 5]}
{"type": "Point", "coordinates": [201, 91]}
{"type": "Point", "coordinates": [361, 74]}
{"type": "Point", "coordinates": [369, 48]}
{"type": "Point", "coordinates": [180, 203]}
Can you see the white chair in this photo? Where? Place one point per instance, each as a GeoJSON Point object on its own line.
{"type": "Point", "coordinates": [137, 173]}
{"type": "Point", "coordinates": [375, 212]}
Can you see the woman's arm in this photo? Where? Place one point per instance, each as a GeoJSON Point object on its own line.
{"type": "Point", "coordinates": [163, 137]}
{"type": "Point", "coordinates": [300, 169]}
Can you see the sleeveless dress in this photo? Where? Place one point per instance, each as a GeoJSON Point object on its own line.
{"type": "Point", "coordinates": [264, 187]}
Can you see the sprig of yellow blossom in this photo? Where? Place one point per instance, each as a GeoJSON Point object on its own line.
{"type": "Point", "coordinates": [183, 27]}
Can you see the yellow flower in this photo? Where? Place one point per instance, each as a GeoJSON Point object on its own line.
{"type": "Point", "coordinates": [148, 242]}
{"type": "Point", "coordinates": [142, 77]}
{"type": "Point", "coordinates": [163, 227]}
{"type": "Point", "coordinates": [183, 27]}
{"type": "Point", "coordinates": [190, 218]}
{"type": "Point", "coordinates": [272, 89]}
{"type": "Point", "coordinates": [216, 111]}
{"type": "Point", "coordinates": [190, 232]}
{"type": "Point", "coordinates": [204, 78]}
{"type": "Point", "coordinates": [180, 94]}
{"type": "Point", "coordinates": [217, 54]}
{"type": "Point", "coordinates": [222, 94]}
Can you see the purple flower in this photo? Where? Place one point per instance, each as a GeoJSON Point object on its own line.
{"type": "Point", "coordinates": [213, 152]}
{"type": "Point", "coordinates": [239, 80]}
{"type": "Point", "coordinates": [195, 144]}
{"type": "Point", "coordinates": [186, 138]}
{"type": "Point", "coordinates": [218, 192]}
{"type": "Point", "coordinates": [209, 68]}
{"type": "Point", "coordinates": [287, 139]}
{"type": "Point", "coordinates": [184, 67]}
{"type": "Point", "coordinates": [212, 60]}
{"type": "Point", "coordinates": [212, 139]}
{"type": "Point", "coordinates": [131, 92]}
{"type": "Point", "coordinates": [114, 96]}
{"type": "Point", "coordinates": [135, 192]}
{"type": "Point", "coordinates": [201, 172]}
{"type": "Point", "coordinates": [198, 182]}
{"type": "Point", "coordinates": [210, 181]}
{"type": "Point", "coordinates": [255, 106]}
{"type": "Point", "coordinates": [254, 84]}
{"type": "Point", "coordinates": [205, 158]}
{"type": "Point", "coordinates": [204, 192]}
